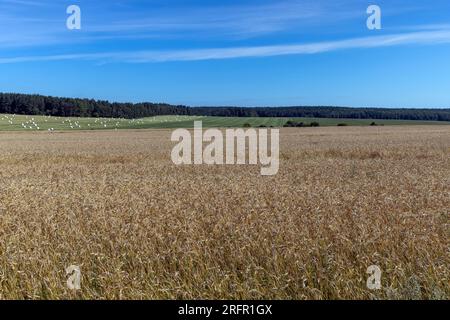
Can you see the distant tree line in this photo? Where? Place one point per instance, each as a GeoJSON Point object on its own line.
{"type": "Point", "coordinates": [71, 107]}
{"type": "Point", "coordinates": [327, 112]}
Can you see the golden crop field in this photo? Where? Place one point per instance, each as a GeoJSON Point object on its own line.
{"type": "Point", "coordinates": [139, 227]}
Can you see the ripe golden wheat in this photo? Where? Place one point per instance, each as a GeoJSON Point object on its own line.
{"type": "Point", "coordinates": [140, 227]}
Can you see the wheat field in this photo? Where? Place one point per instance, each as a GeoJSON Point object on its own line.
{"type": "Point", "coordinates": [139, 227]}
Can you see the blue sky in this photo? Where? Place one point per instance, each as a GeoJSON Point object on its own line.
{"type": "Point", "coordinates": [246, 53]}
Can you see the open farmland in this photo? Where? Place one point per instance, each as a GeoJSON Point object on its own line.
{"type": "Point", "coordinates": [46, 123]}
{"type": "Point", "coordinates": [140, 227]}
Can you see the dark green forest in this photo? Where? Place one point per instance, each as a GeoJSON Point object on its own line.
{"type": "Point", "coordinates": [71, 107]}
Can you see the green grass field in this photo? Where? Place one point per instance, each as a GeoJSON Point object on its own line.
{"type": "Point", "coordinates": [46, 123]}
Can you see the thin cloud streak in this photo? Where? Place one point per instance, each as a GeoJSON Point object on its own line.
{"type": "Point", "coordinates": [414, 38]}
{"type": "Point", "coordinates": [213, 22]}
{"type": "Point", "coordinates": [24, 3]}
{"type": "Point", "coordinates": [236, 21]}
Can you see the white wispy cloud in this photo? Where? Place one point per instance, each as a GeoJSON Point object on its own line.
{"type": "Point", "coordinates": [413, 38]}
{"type": "Point", "coordinates": [24, 25]}
{"type": "Point", "coordinates": [119, 22]}
{"type": "Point", "coordinates": [243, 19]}
{"type": "Point", "coordinates": [24, 3]}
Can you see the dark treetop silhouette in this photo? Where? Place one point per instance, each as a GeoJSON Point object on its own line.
{"type": "Point", "coordinates": [71, 107]}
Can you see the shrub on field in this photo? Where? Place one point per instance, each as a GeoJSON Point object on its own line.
{"type": "Point", "coordinates": [293, 124]}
